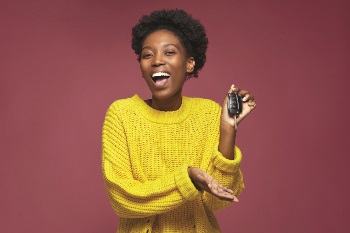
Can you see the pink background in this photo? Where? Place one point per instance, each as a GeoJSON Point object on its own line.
{"type": "Point", "coordinates": [62, 63]}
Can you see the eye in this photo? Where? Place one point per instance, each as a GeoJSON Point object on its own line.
{"type": "Point", "coordinates": [146, 55]}
{"type": "Point", "coordinates": [169, 53]}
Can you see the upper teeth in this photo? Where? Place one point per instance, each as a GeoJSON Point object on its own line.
{"type": "Point", "coordinates": [160, 74]}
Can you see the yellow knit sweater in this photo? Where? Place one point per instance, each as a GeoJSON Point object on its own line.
{"type": "Point", "coordinates": [145, 156]}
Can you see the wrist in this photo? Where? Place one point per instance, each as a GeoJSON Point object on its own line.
{"type": "Point", "coordinates": [227, 140]}
{"type": "Point", "coordinates": [189, 170]}
{"type": "Point", "coordinates": [227, 128]}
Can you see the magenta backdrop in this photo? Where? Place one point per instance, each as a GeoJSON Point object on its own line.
{"type": "Point", "coordinates": [64, 62]}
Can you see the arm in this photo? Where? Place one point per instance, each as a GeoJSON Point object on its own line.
{"type": "Point", "coordinates": [227, 173]}
{"type": "Point", "coordinates": [131, 198]}
{"type": "Point", "coordinates": [227, 123]}
{"type": "Point", "coordinates": [224, 179]}
{"type": "Point", "coordinates": [225, 166]}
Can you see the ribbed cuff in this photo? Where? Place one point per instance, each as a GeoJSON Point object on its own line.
{"type": "Point", "coordinates": [185, 185]}
{"type": "Point", "coordinates": [228, 165]}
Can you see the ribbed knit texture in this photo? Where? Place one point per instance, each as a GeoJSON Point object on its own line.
{"type": "Point", "coordinates": [145, 156]}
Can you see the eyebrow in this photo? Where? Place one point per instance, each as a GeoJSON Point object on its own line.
{"type": "Point", "coordinates": [166, 45]}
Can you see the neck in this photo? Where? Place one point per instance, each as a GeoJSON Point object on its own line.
{"type": "Point", "coordinates": [171, 104]}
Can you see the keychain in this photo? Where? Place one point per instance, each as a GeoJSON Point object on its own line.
{"type": "Point", "coordinates": [234, 106]}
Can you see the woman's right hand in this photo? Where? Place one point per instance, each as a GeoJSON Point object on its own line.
{"type": "Point", "coordinates": [204, 181]}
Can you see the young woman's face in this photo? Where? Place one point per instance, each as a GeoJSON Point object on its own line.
{"type": "Point", "coordinates": [164, 64]}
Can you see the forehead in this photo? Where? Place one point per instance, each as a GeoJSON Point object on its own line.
{"type": "Point", "coordinates": [161, 37]}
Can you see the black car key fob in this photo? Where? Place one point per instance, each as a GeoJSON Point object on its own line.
{"type": "Point", "coordinates": [234, 104]}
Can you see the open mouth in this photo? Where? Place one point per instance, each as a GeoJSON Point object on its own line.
{"type": "Point", "coordinates": [160, 77]}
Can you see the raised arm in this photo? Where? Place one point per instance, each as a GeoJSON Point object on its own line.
{"type": "Point", "coordinates": [227, 123]}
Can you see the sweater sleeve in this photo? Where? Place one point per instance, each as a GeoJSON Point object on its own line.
{"type": "Point", "coordinates": [227, 172]}
{"type": "Point", "coordinates": [131, 198]}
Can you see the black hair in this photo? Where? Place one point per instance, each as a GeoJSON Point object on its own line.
{"type": "Point", "coordinates": [189, 30]}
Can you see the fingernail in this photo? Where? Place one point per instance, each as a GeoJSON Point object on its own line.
{"type": "Point", "coordinates": [245, 98]}
{"type": "Point", "coordinates": [233, 87]}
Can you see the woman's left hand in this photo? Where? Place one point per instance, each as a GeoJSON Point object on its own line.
{"type": "Point", "coordinates": [205, 182]}
{"type": "Point", "coordinates": [248, 104]}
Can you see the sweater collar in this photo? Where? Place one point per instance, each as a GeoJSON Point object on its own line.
{"type": "Point", "coordinates": [164, 117]}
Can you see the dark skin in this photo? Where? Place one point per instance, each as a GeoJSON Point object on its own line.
{"type": "Point", "coordinates": [163, 53]}
{"type": "Point", "coordinates": [203, 180]}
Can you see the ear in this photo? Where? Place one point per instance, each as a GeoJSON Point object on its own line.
{"type": "Point", "coordinates": [190, 64]}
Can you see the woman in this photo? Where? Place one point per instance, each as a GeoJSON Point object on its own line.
{"type": "Point", "coordinates": [170, 161]}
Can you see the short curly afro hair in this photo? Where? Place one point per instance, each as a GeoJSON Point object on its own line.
{"type": "Point", "coordinates": [189, 30]}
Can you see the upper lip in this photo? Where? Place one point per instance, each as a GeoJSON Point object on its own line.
{"type": "Point", "coordinates": [157, 74]}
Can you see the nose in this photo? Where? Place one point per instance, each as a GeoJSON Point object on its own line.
{"type": "Point", "coordinates": [158, 60]}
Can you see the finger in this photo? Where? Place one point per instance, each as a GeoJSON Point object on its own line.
{"type": "Point", "coordinates": [248, 98]}
{"type": "Point", "coordinates": [233, 89]}
{"type": "Point", "coordinates": [235, 199]}
{"type": "Point", "coordinates": [245, 111]}
{"type": "Point", "coordinates": [224, 189]}
{"type": "Point", "coordinates": [223, 195]}
{"type": "Point", "coordinates": [245, 97]}
{"type": "Point", "coordinates": [212, 186]}
{"type": "Point", "coordinates": [252, 104]}
{"type": "Point", "coordinates": [218, 192]}
{"type": "Point", "coordinates": [228, 190]}
{"type": "Point", "coordinates": [226, 196]}
{"type": "Point", "coordinates": [242, 93]}
{"type": "Point", "coordinates": [216, 189]}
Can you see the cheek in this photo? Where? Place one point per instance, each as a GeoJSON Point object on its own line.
{"type": "Point", "coordinates": [179, 65]}
{"type": "Point", "coordinates": [142, 68]}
